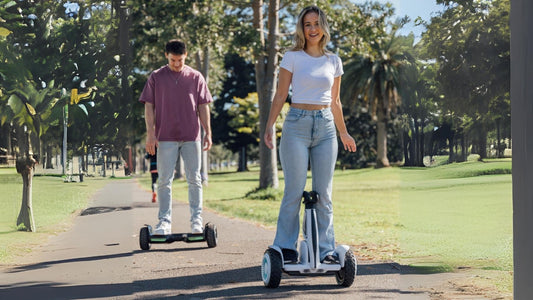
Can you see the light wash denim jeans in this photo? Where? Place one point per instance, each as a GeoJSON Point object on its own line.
{"type": "Point", "coordinates": [307, 136]}
{"type": "Point", "coordinates": [167, 156]}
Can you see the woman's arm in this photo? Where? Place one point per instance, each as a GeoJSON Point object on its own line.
{"type": "Point", "coordinates": [282, 91]}
{"type": "Point", "coordinates": [336, 109]}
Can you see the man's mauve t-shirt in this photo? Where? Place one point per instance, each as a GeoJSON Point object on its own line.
{"type": "Point", "coordinates": [176, 96]}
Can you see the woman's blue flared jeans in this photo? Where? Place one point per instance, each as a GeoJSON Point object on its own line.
{"type": "Point", "coordinates": [308, 136]}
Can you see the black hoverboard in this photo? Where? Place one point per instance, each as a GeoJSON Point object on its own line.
{"type": "Point", "coordinates": [146, 237]}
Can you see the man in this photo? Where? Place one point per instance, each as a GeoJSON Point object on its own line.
{"type": "Point", "coordinates": [176, 102]}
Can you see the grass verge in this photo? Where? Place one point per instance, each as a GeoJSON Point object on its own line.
{"type": "Point", "coordinates": [54, 205]}
{"type": "Point", "coordinates": [439, 219]}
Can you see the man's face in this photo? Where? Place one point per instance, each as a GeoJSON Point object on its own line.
{"type": "Point", "coordinates": [176, 62]}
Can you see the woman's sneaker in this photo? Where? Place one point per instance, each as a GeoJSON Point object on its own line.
{"type": "Point", "coordinates": [331, 259]}
{"type": "Point", "coordinates": [289, 256]}
{"type": "Point", "coordinates": [163, 228]}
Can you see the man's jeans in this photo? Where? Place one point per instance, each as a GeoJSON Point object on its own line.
{"type": "Point", "coordinates": [167, 155]}
{"type": "Point", "coordinates": [307, 136]}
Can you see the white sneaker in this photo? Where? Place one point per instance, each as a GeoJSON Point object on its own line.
{"type": "Point", "coordinates": [163, 228]}
{"type": "Point", "coordinates": [197, 228]}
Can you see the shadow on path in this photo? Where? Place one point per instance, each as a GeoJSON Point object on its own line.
{"type": "Point", "coordinates": [183, 286]}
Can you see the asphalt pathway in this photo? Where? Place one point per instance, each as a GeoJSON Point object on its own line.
{"type": "Point", "coordinates": [100, 258]}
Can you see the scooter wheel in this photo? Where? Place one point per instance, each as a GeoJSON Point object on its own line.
{"type": "Point", "coordinates": [346, 275]}
{"type": "Point", "coordinates": [144, 238]}
{"type": "Point", "coordinates": [211, 235]}
{"type": "Point", "coordinates": [271, 268]}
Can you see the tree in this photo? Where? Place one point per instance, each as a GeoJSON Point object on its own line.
{"type": "Point", "coordinates": [419, 105]}
{"type": "Point", "coordinates": [31, 110]}
{"type": "Point", "coordinates": [203, 25]}
{"type": "Point", "coordinates": [239, 82]}
{"type": "Point", "coordinates": [266, 61]}
{"type": "Point", "coordinates": [375, 79]}
{"type": "Point", "coordinates": [45, 56]}
{"type": "Point", "coordinates": [30, 99]}
{"type": "Point", "coordinates": [244, 124]}
{"type": "Point", "coordinates": [470, 42]}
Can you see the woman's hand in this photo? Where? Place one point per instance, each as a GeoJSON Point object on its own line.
{"type": "Point", "coordinates": [269, 137]}
{"type": "Point", "coordinates": [348, 142]}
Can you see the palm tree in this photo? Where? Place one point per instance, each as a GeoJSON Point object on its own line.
{"type": "Point", "coordinates": [33, 113]}
{"type": "Point", "coordinates": [374, 79]}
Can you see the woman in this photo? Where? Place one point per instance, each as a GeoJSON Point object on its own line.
{"type": "Point", "coordinates": [308, 133]}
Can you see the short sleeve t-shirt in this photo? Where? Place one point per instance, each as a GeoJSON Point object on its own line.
{"type": "Point", "coordinates": [176, 97]}
{"type": "Point", "coordinates": [312, 77]}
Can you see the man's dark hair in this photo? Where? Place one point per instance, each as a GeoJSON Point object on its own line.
{"type": "Point", "coordinates": [176, 47]}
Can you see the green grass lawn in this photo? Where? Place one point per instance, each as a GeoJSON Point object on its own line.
{"type": "Point", "coordinates": [54, 205]}
{"type": "Point", "coordinates": [443, 218]}
{"type": "Point", "coordinates": [436, 219]}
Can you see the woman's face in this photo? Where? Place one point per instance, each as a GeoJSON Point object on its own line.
{"type": "Point", "coordinates": [312, 31]}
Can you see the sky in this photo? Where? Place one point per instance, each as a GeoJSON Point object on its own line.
{"type": "Point", "coordinates": [413, 9]}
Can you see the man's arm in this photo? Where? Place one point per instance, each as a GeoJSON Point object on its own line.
{"type": "Point", "coordinates": [205, 119]}
{"type": "Point", "coordinates": [149, 119]}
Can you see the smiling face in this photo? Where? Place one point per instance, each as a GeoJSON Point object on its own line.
{"type": "Point", "coordinates": [176, 62]}
{"type": "Point", "coordinates": [312, 31]}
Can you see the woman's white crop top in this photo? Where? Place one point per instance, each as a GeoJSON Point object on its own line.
{"type": "Point", "coordinates": [312, 77]}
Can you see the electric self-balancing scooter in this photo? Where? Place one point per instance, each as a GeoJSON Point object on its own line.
{"type": "Point", "coordinates": [309, 255]}
{"type": "Point", "coordinates": [146, 237]}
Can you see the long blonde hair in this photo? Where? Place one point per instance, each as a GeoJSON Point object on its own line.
{"type": "Point", "coordinates": [299, 37]}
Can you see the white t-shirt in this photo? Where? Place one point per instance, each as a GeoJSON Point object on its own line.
{"type": "Point", "coordinates": [312, 77]}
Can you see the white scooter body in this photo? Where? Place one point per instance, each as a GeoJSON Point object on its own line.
{"type": "Point", "coordinates": [309, 257]}
{"type": "Point", "coordinates": [309, 253]}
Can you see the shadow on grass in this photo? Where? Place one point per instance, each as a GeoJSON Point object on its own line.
{"type": "Point", "coordinates": [426, 268]}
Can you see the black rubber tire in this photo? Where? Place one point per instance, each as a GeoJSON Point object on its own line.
{"type": "Point", "coordinates": [346, 275]}
{"type": "Point", "coordinates": [144, 238]}
{"type": "Point", "coordinates": [271, 268]}
{"type": "Point", "coordinates": [211, 235]}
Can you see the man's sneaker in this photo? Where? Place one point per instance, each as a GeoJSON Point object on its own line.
{"type": "Point", "coordinates": [197, 228]}
{"type": "Point", "coordinates": [289, 256]}
{"type": "Point", "coordinates": [154, 197]}
{"type": "Point", "coordinates": [163, 228]}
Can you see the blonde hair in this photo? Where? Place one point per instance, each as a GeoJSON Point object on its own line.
{"type": "Point", "coordinates": [299, 37]}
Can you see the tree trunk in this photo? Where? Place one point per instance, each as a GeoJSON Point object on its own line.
{"type": "Point", "coordinates": [482, 143]}
{"type": "Point", "coordinates": [5, 137]}
{"type": "Point", "coordinates": [202, 64]}
{"type": "Point", "coordinates": [48, 161]}
{"type": "Point", "coordinates": [382, 160]}
{"type": "Point", "coordinates": [24, 165]}
{"type": "Point", "coordinates": [242, 160]}
{"type": "Point", "coordinates": [407, 141]}
{"type": "Point", "coordinates": [451, 157]}
{"type": "Point", "coordinates": [421, 143]}
{"type": "Point", "coordinates": [25, 219]}
{"type": "Point", "coordinates": [499, 150]}
{"type": "Point", "coordinates": [416, 138]}
{"type": "Point", "coordinates": [266, 61]}
{"type": "Point", "coordinates": [464, 153]}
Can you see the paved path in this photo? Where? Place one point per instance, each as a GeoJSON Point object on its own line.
{"type": "Point", "coordinates": [100, 258]}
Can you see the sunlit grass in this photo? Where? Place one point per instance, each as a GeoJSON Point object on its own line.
{"type": "Point", "coordinates": [447, 216]}
{"type": "Point", "coordinates": [438, 219]}
{"type": "Point", "coordinates": [54, 204]}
